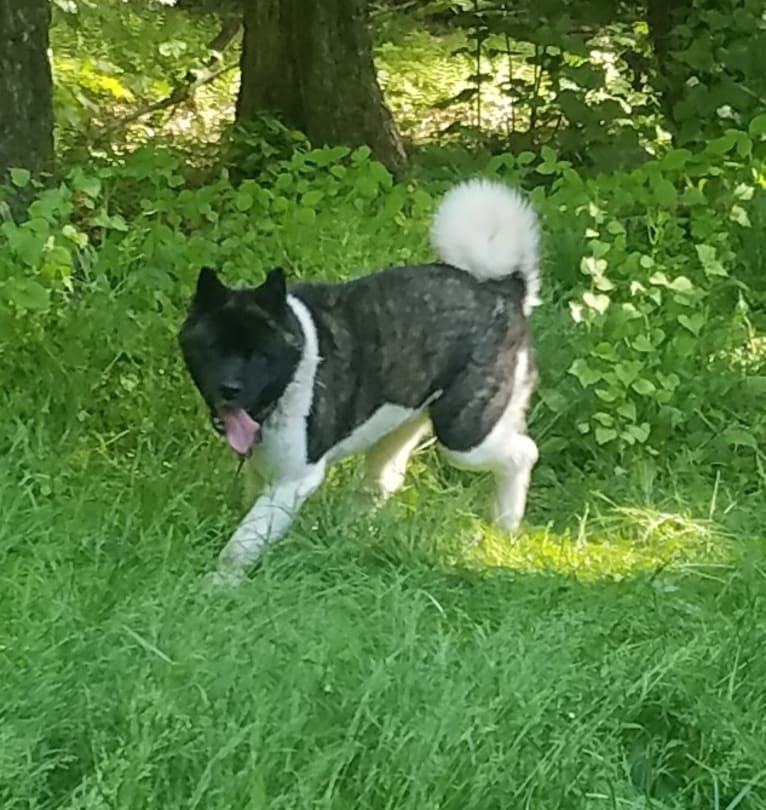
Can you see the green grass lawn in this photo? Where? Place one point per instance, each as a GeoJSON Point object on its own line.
{"type": "Point", "coordinates": [404, 658]}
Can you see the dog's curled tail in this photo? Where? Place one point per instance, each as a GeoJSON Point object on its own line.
{"type": "Point", "coordinates": [488, 230]}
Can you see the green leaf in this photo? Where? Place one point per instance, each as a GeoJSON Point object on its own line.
{"type": "Point", "coordinates": [664, 192]}
{"type": "Point", "coordinates": [681, 284]}
{"type": "Point", "coordinates": [738, 437]}
{"type": "Point", "coordinates": [694, 323]}
{"type": "Point", "coordinates": [311, 198]}
{"type": "Point", "coordinates": [644, 387]}
{"type": "Point", "coordinates": [627, 372]}
{"type": "Point", "coordinates": [554, 400]}
{"type": "Point", "coordinates": [547, 154]}
{"type": "Point", "coordinates": [676, 159]}
{"type": "Point", "coordinates": [584, 373]}
{"type": "Point", "coordinates": [740, 216]}
{"type": "Point", "coordinates": [87, 184]}
{"type": "Point", "coordinates": [669, 382]}
{"type": "Point", "coordinates": [26, 293]}
{"type": "Point", "coordinates": [639, 432]}
{"type": "Point", "coordinates": [58, 255]}
{"type": "Point", "coordinates": [115, 222]}
{"type": "Point", "coordinates": [643, 344]}
{"type": "Point", "coordinates": [628, 410]}
{"type": "Point", "coordinates": [596, 301]}
{"type": "Point", "coordinates": [710, 264]}
{"type": "Point", "coordinates": [607, 394]}
{"type": "Point", "coordinates": [591, 266]}
{"type": "Point", "coordinates": [757, 128]}
{"type": "Point", "coordinates": [243, 201]}
{"type": "Point", "coordinates": [20, 177]}
{"type": "Point", "coordinates": [605, 434]}
{"type": "Point", "coordinates": [694, 196]}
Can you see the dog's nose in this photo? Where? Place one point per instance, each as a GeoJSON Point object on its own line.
{"type": "Point", "coordinates": [230, 391]}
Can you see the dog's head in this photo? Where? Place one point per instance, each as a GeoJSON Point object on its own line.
{"type": "Point", "coordinates": [241, 347]}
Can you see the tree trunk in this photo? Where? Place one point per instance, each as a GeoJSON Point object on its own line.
{"type": "Point", "coordinates": [26, 89]}
{"type": "Point", "coordinates": [311, 62]}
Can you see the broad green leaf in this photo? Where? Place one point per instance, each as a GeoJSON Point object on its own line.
{"type": "Point", "coordinates": [605, 434]}
{"type": "Point", "coordinates": [757, 128]}
{"type": "Point", "coordinates": [681, 284]}
{"type": "Point", "coordinates": [694, 323]}
{"type": "Point", "coordinates": [311, 198]}
{"type": "Point", "coordinates": [26, 293]}
{"type": "Point", "coordinates": [628, 410]}
{"type": "Point", "coordinates": [664, 192]}
{"type": "Point", "coordinates": [694, 196]}
{"type": "Point", "coordinates": [740, 216]}
{"type": "Point", "coordinates": [644, 387]}
{"type": "Point", "coordinates": [584, 373]}
{"type": "Point", "coordinates": [739, 437]}
{"type": "Point", "coordinates": [643, 344]}
{"type": "Point", "coordinates": [596, 301]}
{"type": "Point", "coordinates": [88, 184]}
{"type": "Point", "coordinates": [243, 201]}
{"type": "Point", "coordinates": [20, 177]}
{"type": "Point", "coordinates": [710, 264]}
{"type": "Point", "coordinates": [639, 432]}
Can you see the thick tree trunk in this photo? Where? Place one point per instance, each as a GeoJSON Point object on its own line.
{"type": "Point", "coordinates": [312, 62]}
{"type": "Point", "coordinates": [26, 90]}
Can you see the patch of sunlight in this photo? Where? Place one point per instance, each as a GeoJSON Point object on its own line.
{"type": "Point", "coordinates": [623, 543]}
{"type": "Point", "coordinates": [748, 356]}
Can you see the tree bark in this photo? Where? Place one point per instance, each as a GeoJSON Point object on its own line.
{"type": "Point", "coordinates": [312, 62]}
{"type": "Point", "coordinates": [26, 87]}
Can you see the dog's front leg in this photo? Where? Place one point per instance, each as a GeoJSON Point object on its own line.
{"type": "Point", "coordinates": [269, 518]}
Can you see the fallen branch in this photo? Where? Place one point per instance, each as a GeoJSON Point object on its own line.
{"type": "Point", "coordinates": [179, 94]}
{"type": "Point", "coordinates": [193, 80]}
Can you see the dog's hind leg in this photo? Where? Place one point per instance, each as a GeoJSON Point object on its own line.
{"type": "Point", "coordinates": [474, 439]}
{"type": "Point", "coordinates": [387, 459]}
{"type": "Point", "coordinates": [511, 460]}
{"type": "Point", "coordinates": [267, 521]}
{"type": "Point", "coordinates": [512, 481]}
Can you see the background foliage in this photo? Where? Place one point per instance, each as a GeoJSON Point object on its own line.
{"type": "Point", "coordinates": [653, 264]}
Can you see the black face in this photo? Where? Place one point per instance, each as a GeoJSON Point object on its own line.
{"type": "Point", "coordinates": [240, 347]}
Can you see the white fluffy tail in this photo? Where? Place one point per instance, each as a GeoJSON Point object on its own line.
{"type": "Point", "coordinates": [488, 230]}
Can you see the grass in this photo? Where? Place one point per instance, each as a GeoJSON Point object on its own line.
{"type": "Point", "coordinates": [408, 658]}
{"type": "Point", "coordinates": [403, 659]}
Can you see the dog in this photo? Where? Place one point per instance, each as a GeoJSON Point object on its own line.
{"type": "Point", "coordinates": [302, 378]}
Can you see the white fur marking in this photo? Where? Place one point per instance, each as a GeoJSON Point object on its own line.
{"type": "Point", "coordinates": [282, 458]}
{"type": "Point", "coordinates": [385, 420]}
{"type": "Point", "coordinates": [507, 452]}
{"type": "Point", "coordinates": [488, 230]}
{"type": "Point", "coordinates": [387, 459]}
{"type": "Point", "coordinates": [284, 452]}
{"type": "Point", "coordinates": [266, 522]}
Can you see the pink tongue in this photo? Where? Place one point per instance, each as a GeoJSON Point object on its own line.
{"type": "Point", "coordinates": [241, 430]}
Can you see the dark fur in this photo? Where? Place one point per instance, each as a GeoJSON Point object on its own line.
{"type": "Point", "coordinates": [404, 336]}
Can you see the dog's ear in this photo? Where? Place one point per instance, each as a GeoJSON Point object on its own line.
{"type": "Point", "coordinates": [272, 294]}
{"type": "Point", "coordinates": [211, 292]}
